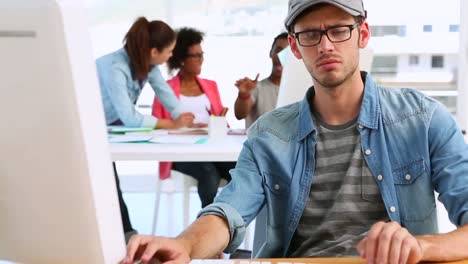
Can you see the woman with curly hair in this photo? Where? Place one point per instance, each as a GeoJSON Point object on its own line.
{"type": "Point", "coordinates": [200, 97]}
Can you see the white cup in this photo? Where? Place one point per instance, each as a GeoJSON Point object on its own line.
{"type": "Point", "coordinates": [217, 127]}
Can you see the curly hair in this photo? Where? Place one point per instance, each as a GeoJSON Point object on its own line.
{"type": "Point", "coordinates": [186, 37]}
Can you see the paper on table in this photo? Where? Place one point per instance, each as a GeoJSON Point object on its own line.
{"type": "Point", "coordinates": [174, 139]}
{"type": "Point", "coordinates": [201, 131]}
{"type": "Point", "coordinates": [130, 138]}
{"type": "Point", "coordinates": [157, 138]}
{"type": "Point", "coordinates": [124, 129]}
{"type": "Point", "coordinates": [237, 131]}
{"type": "Point", "coordinates": [156, 132]}
{"type": "Point", "coordinates": [189, 131]}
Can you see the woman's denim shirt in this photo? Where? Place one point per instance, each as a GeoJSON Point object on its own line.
{"type": "Point", "coordinates": [120, 91]}
{"type": "Point", "coordinates": [410, 142]}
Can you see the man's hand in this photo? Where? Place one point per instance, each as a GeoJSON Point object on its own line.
{"type": "Point", "coordinates": [151, 248]}
{"type": "Point", "coordinates": [390, 243]}
{"type": "Point", "coordinates": [246, 84]}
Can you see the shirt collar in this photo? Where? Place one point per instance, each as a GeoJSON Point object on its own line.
{"type": "Point", "coordinates": [306, 123]}
{"type": "Point", "coordinates": [368, 116]}
{"type": "Point", "coordinates": [370, 107]}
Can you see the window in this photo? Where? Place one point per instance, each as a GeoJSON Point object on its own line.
{"type": "Point", "coordinates": [384, 64]}
{"type": "Point", "coordinates": [229, 25]}
{"type": "Point", "coordinates": [446, 97]}
{"type": "Point", "coordinates": [402, 31]}
{"type": "Point", "coordinates": [437, 61]}
{"type": "Point", "coordinates": [454, 28]}
{"type": "Point", "coordinates": [413, 60]}
{"type": "Point", "coordinates": [449, 101]}
{"type": "Point", "coordinates": [427, 28]}
{"type": "Point", "coordinates": [380, 31]}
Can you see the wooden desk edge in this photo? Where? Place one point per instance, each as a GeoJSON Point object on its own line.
{"type": "Point", "coordinates": [350, 260]}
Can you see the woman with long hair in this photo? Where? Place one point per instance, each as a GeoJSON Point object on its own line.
{"type": "Point", "coordinates": [123, 74]}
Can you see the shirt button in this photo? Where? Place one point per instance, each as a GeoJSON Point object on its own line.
{"type": "Point", "coordinates": [361, 126]}
{"type": "Point", "coordinates": [392, 209]}
{"type": "Point", "coordinates": [276, 186]}
{"type": "Point", "coordinates": [368, 152]}
{"type": "Point", "coordinates": [408, 177]}
{"type": "Point", "coordinates": [379, 177]}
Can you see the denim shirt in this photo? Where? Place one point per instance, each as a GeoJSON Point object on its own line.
{"type": "Point", "coordinates": [120, 91]}
{"type": "Point", "coordinates": [410, 142]}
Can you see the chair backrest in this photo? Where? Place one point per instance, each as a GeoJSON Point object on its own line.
{"type": "Point", "coordinates": [296, 79]}
{"type": "Point", "coordinates": [260, 231]}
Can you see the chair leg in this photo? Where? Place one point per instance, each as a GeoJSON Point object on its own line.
{"type": "Point", "coordinates": [247, 238]}
{"type": "Point", "coordinates": [186, 200]}
{"type": "Point", "coordinates": [156, 204]}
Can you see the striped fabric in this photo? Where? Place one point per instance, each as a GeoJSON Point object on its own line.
{"type": "Point", "coordinates": [344, 200]}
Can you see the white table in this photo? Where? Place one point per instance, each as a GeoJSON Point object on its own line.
{"type": "Point", "coordinates": [226, 149]}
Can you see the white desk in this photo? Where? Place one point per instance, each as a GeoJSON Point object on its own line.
{"type": "Point", "coordinates": [227, 149]}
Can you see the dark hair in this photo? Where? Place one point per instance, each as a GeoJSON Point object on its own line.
{"type": "Point", "coordinates": [141, 38]}
{"type": "Point", "coordinates": [283, 35]}
{"type": "Point", "coordinates": [186, 37]}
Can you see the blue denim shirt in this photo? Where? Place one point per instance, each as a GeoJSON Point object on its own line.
{"type": "Point", "coordinates": [120, 91]}
{"type": "Point", "coordinates": [411, 144]}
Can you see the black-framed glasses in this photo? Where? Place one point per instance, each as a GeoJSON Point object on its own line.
{"type": "Point", "coordinates": [313, 37]}
{"type": "Point", "coordinates": [196, 55]}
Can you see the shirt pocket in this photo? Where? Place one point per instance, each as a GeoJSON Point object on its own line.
{"type": "Point", "coordinates": [414, 191]}
{"type": "Point", "coordinates": [276, 192]}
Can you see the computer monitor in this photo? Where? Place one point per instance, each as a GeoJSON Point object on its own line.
{"type": "Point", "coordinates": [58, 200]}
{"type": "Point", "coordinates": [296, 80]}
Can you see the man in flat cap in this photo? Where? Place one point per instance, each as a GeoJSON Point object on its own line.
{"type": "Point", "coordinates": [350, 170]}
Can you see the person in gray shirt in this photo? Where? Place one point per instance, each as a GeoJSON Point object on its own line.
{"type": "Point", "coordinates": [258, 97]}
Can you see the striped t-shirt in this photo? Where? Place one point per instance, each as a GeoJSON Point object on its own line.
{"type": "Point", "coordinates": [344, 200]}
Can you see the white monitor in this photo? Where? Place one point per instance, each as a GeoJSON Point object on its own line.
{"type": "Point", "coordinates": [296, 80]}
{"type": "Point", "coordinates": [58, 200]}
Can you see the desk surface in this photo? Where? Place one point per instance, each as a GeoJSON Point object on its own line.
{"type": "Point", "coordinates": [295, 261]}
{"type": "Point", "coordinates": [329, 260]}
{"type": "Point", "coordinates": [226, 149]}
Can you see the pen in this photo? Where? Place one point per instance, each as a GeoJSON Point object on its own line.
{"type": "Point", "coordinates": [224, 111]}
{"type": "Point", "coordinates": [209, 111]}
